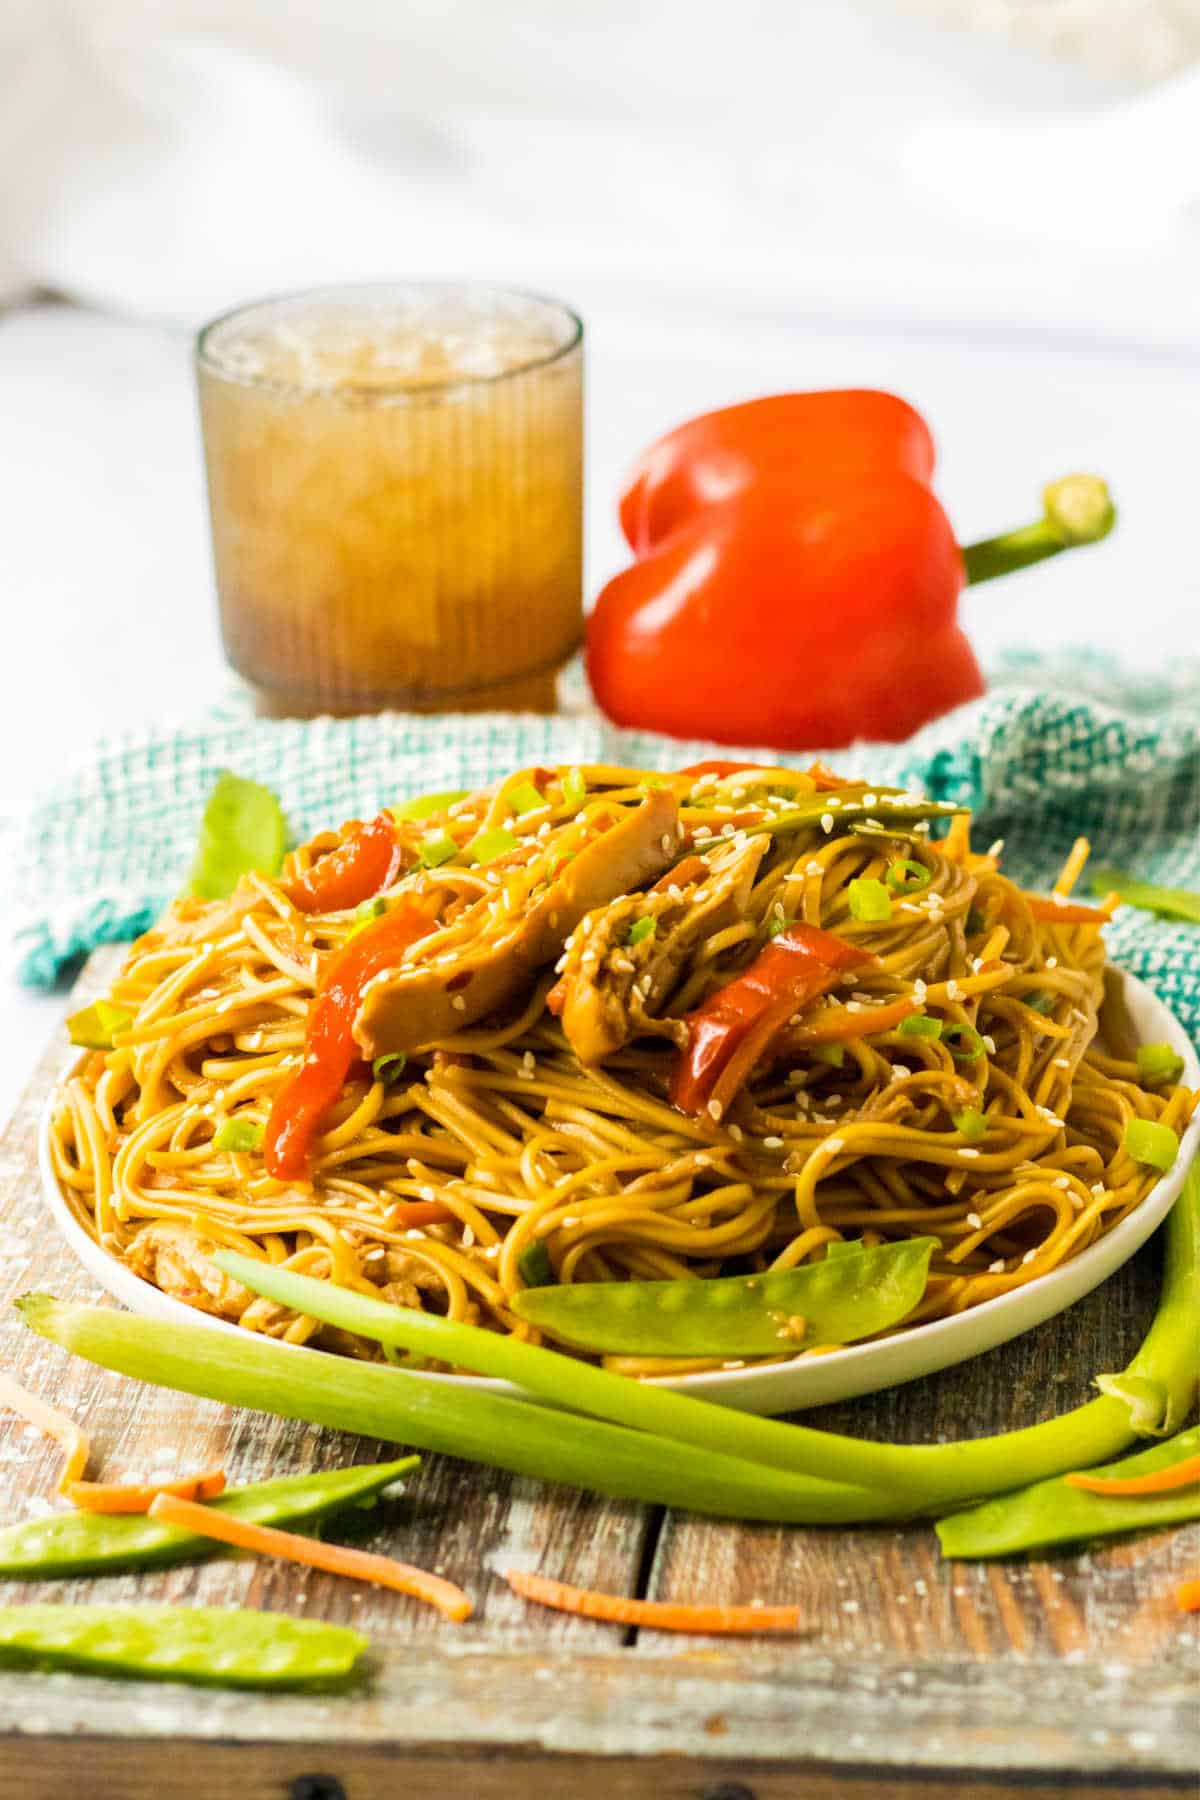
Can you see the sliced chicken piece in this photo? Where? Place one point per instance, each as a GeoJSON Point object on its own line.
{"type": "Point", "coordinates": [614, 990]}
{"type": "Point", "coordinates": [178, 1260]}
{"type": "Point", "coordinates": [419, 1003]}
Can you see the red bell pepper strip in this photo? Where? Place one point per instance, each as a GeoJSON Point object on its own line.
{"type": "Point", "coordinates": [330, 1050]}
{"type": "Point", "coordinates": [819, 438]}
{"type": "Point", "coordinates": [367, 860]}
{"type": "Point", "coordinates": [736, 1026]}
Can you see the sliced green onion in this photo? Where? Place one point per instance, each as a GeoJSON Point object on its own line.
{"type": "Point", "coordinates": [1038, 1003]}
{"type": "Point", "coordinates": [389, 1068]}
{"type": "Point", "coordinates": [1159, 1063]}
{"type": "Point", "coordinates": [870, 901]}
{"type": "Point", "coordinates": [94, 1027]}
{"type": "Point", "coordinates": [534, 1265]}
{"type": "Point", "coordinates": [525, 797]}
{"type": "Point", "coordinates": [920, 1025]}
{"type": "Point", "coordinates": [906, 876]}
{"type": "Point", "coordinates": [437, 849]}
{"type": "Point", "coordinates": [425, 805]}
{"type": "Point", "coordinates": [775, 926]}
{"type": "Point", "coordinates": [970, 1124]}
{"type": "Point", "coordinates": [651, 781]}
{"type": "Point", "coordinates": [970, 1046]}
{"type": "Point", "coordinates": [366, 914]}
{"type": "Point", "coordinates": [1156, 1146]}
{"type": "Point", "coordinates": [574, 788]}
{"type": "Point", "coordinates": [238, 1134]}
{"type": "Point", "coordinates": [640, 930]}
{"type": "Point", "coordinates": [486, 846]}
{"type": "Point", "coordinates": [834, 1054]}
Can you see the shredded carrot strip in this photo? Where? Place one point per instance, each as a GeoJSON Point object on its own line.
{"type": "Point", "coordinates": [658, 1615]}
{"type": "Point", "coordinates": [70, 1436]}
{"type": "Point", "coordinates": [419, 1212]}
{"type": "Point", "coordinates": [1160, 1481]}
{"type": "Point", "coordinates": [1072, 869]}
{"type": "Point", "coordinates": [837, 1022]}
{"type": "Point", "coordinates": [138, 1497]}
{"type": "Point", "coordinates": [1187, 1597]}
{"type": "Point", "coordinates": [334, 1559]}
{"type": "Point", "coordinates": [690, 869]}
{"type": "Point", "coordinates": [956, 845]}
{"type": "Point", "coordinates": [1054, 912]}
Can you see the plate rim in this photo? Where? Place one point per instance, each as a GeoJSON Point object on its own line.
{"type": "Point", "coordinates": [800, 1383]}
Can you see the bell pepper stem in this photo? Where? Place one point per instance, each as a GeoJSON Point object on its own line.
{"type": "Point", "coordinates": [1078, 510]}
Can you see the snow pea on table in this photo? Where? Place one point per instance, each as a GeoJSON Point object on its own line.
{"type": "Point", "coordinates": [1055, 1512]}
{"type": "Point", "coordinates": [85, 1543]}
{"type": "Point", "coordinates": [214, 1645]}
{"type": "Point", "coordinates": [835, 1301]}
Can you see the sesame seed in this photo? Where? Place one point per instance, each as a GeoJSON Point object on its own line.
{"type": "Point", "coordinates": [976, 963]}
{"type": "Point", "coordinates": [827, 823]}
{"type": "Point", "coordinates": [899, 1072]}
{"type": "Point", "coordinates": [714, 1109]}
{"type": "Point", "coordinates": [953, 991]}
{"type": "Point", "coordinates": [919, 990]}
{"type": "Point", "coordinates": [1061, 1062]}
{"type": "Point", "coordinates": [996, 1268]}
{"type": "Point", "coordinates": [974, 1221]}
{"type": "Point", "coordinates": [1051, 1118]}
{"type": "Point", "coordinates": [428, 1193]}
{"type": "Point", "coordinates": [870, 799]}
{"type": "Point", "coordinates": [736, 1133]}
{"type": "Point", "coordinates": [458, 1003]}
{"type": "Point", "coordinates": [835, 1145]}
{"type": "Point", "coordinates": [989, 1044]}
{"type": "Point", "coordinates": [668, 843]}
{"type": "Point", "coordinates": [772, 1143]}
{"type": "Point", "coordinates": [968, 1152]}
{"type": "Point", "coordinates": [1062, 1181]}
{"type": "Point", "coordinates": [1098, 1190]}
{"type": "Point", "coordinates": [468, 1237]}
{"type": "Point", "coordinates": [1052, 962]}
{"type": "Point", "coordinates": [813, 867]}
{"type": "Point", "coordinates": [1029, 1256]}
{"type": "Point", "coordinates": [996, 847]}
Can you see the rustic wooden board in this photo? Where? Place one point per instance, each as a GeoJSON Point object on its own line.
{"type": "Point", "coordinates": [1068, 1674]}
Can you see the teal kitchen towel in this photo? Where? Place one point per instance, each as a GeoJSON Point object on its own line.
{"type": "Point", "coordinates": [1055, 749]}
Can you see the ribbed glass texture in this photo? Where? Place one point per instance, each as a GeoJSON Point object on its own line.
{"type": "Point", "coordinates": [395, 479]}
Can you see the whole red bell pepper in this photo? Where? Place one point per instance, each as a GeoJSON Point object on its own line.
{"type": "Point", "coordinates": [797, 581]}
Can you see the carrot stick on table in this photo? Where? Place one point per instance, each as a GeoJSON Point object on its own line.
{"type": "Point", "coordinates": [139, 1496]}
{"type": "Point", "coordinates": [334, 1559]}
{"type": "Point", "coordinates": [1158, 1481]}
{"type": "Point", "coordinates": [657, 1615]}
{"type": "Point", "coordinates": [71, 1437]}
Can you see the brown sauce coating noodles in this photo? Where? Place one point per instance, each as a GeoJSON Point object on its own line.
{"type": "Point", "coordinates": [427, 1191]}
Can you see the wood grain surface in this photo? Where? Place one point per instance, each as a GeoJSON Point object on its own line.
{"type": "Point", "coordinates": [1069, 1675]}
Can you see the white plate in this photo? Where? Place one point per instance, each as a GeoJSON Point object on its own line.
{"type": "Point", "coordinates": [860, 1369]}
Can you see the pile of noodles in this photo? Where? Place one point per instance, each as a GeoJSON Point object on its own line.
{"type": "Point", "coordinates": [428, 1190]}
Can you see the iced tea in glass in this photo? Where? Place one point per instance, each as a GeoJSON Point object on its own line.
{"type": "Point", "coordinates": [395, 478]}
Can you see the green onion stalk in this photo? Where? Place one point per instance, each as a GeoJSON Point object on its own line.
{"type": "Point", "coordinates": [637, 1442]}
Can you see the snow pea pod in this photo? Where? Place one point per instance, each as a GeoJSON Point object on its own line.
{"type": "Point", "coordinates": [829, 1302]}
{"type": "Point", "coordinates": [86, 1543]}
{"type": "Point", "coordinates": [1054, 1512]}
{"type": "Point", "coordinates": [214, 1645]}
{"type": "Point", "coordinates": [894, 808]}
